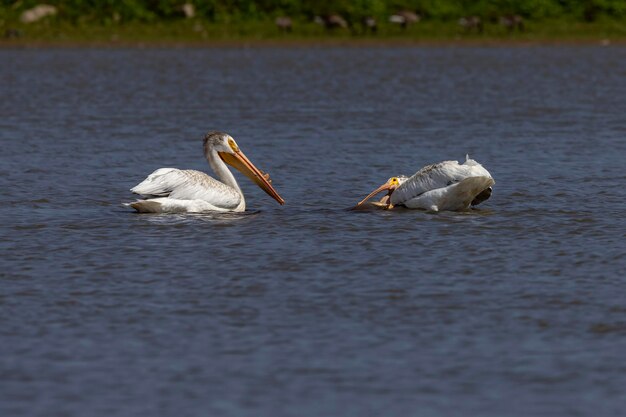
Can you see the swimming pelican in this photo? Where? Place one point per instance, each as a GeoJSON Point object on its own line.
{"type": "Point", "coordinates": [171, 190]}
{"type": "Point", "coordinates": [447, 185]}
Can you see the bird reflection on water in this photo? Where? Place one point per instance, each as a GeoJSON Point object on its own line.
{"type": "Point", "coordinates": [186, 218]}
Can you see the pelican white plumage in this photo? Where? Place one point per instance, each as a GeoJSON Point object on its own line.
{"type": "Point", "coordinates": [172, 190]}
{"type": "Point", "coordinates": [447, 185]}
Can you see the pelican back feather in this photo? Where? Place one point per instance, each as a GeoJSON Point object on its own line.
{"type": "Point", "coordinates": [435, 176]}
{"type": "Point", "coordinates": [187, 185]}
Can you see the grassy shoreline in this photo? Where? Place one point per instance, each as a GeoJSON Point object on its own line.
{"type": "Point", "coordinates": [201, 33]}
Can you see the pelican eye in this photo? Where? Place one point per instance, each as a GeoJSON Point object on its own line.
{"type": "Point", "coordinates": [233, 145]}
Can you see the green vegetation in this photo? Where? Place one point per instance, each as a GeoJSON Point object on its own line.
{"type": "Point", "coordinates": [243, 20]}
{"type": "Point", "coordinates": [107, 11]}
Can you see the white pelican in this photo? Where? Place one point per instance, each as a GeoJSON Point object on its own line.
{"type": "Point", "coordinates": [447, 185]}
{"type": "Point", "coordinates": [171, 190]}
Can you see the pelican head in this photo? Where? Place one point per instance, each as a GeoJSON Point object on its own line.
{"type": "Point", "coordinates": [389, 186]}
{"type": "Point", "coordinates": [228, 151]}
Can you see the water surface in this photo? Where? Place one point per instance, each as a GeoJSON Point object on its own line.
{"type": "Point", "coordinates": [515, 309]}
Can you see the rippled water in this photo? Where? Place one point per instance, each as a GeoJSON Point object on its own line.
{"type": "Point", "coordinates": [515, 309]}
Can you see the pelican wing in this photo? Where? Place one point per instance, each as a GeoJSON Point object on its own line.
{"type": "Point", "coordinates": [457, 196]}
{"type": "Point", "coordinates": [187, 185]}
{"type": "Point", "coordinates": [435, 176]}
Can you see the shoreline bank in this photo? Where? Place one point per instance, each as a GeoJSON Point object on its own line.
{"type": "Point", "coordinates": [263, 34]}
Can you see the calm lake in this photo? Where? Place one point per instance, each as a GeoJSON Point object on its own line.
{"type": "Point", "coordinates": [517, 308]}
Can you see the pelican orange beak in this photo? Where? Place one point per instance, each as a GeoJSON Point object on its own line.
{"type": "Point", "coordinates": [239, 161]}
{"type": "Point", "coordinates": [389, 186]}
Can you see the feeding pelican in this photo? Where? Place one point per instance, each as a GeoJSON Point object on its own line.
{"type": "Point", "coordinates": [171, 190]}
{"type": "Point", "coordinates": [447, 185]}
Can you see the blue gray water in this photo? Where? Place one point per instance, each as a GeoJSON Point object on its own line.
{"type": "Point", "coordinates": [515, 309]}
